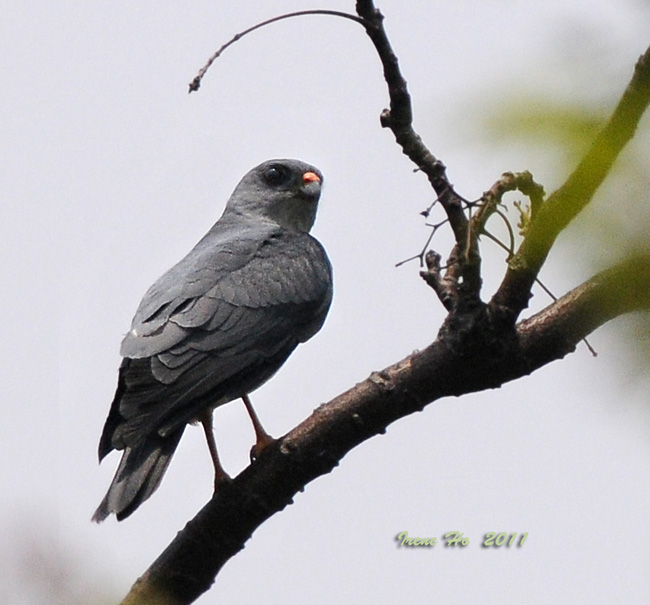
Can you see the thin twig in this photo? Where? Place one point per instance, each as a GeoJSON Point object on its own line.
{"type": "Point", "coordinates": [511, 233]}
{"type": "Point", "coordinates": [421, 254]}
{"type": "Point", "coordinates": [195, 84]}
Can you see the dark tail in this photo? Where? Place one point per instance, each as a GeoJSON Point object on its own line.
{"type": "Point", "coordinates": [138, 476]}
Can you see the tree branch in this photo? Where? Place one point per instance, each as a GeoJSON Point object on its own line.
{"type": "Point", "coordinates": [399, 119]}
{"type": "Point", "coordinates": [460, 361]}
{"type": "Point", "coordinates": [616, 291]}
{"type": "Point", "coordinates": [195, 84]}
{"type": "Point", "coordinates": [578, 190]}
{"type": "Point", "coordinates": [478, 346]}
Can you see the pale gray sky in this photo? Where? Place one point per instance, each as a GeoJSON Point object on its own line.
{"type": "Point", "coordinates": [111, 172]}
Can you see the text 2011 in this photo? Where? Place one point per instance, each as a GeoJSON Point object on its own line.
{"type": "Point", "coordinates": [504, 539]}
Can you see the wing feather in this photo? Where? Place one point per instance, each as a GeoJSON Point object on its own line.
{"type": "Point", "coordinates": [224, 333]}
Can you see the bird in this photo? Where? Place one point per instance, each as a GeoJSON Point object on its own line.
{"type": "Point", "coordinates": [216, 326]}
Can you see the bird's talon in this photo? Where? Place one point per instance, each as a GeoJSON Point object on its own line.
{"type": "Point", "coordinates": [221, 481]}
{"type": "Point", "coordinates": [260, 446]}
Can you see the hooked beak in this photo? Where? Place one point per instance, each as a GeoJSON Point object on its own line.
{"type": "Point", "coordinates": [310, 177]}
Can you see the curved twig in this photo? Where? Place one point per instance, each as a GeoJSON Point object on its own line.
{"type": "Point", "coordinates": [511, 234]}
{"type": "Point", "coordinates": [195, 84]}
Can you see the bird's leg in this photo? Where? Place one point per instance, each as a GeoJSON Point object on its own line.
{"type": "Point", "coordinates": [262, 438]}
{"type": "Point", "coordinates": [220, 476]}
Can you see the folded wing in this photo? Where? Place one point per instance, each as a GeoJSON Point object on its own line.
{"type": "Point", "coordinates": [216, 326]}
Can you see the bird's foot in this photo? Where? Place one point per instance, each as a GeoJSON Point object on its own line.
{"type": "Point", "coordinates": [263, 441]}
{"type": "Point", "coordinates": [220, 479]}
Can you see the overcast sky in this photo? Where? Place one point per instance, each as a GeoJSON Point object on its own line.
{"type": "Point", "coordinates": [111, 172]}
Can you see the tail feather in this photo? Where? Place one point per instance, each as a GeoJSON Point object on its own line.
{"type": "Point", "coordinates": [138, 476]}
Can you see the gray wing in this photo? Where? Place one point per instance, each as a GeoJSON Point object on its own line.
{"type": "Point", "coordinates": [215, 327]}
{"type": "Point", "coordinates": [156, 325]}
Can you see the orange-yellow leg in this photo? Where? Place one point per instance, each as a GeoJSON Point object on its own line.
{"type": "Point", "coordinates": [262, 438]}
{"type": "Point", "coordinates": [220, 476]}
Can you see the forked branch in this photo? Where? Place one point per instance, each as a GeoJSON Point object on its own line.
{"type": "Point", "coordinates": [572, 197]}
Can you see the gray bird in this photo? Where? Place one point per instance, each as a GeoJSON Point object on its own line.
{"type": "Point", "coordinates": [217, 326]}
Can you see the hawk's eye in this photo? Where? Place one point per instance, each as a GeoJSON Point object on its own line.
{"type": "Point", "coordinates": [277, 174]}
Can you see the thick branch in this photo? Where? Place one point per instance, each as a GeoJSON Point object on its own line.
{"type": "Point", "coordinates": [463, 359]}
{"type": "Point", "coordinates": [565, 204]}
